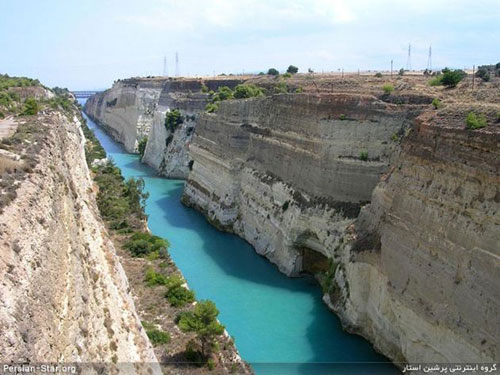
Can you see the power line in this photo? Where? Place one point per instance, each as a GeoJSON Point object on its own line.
{"type": "Point", "coordinates": [429, 60]}
{"type": "Point", "coordinates": [165, 72]}
{"type": "Point", "coordinates": [408, 62]}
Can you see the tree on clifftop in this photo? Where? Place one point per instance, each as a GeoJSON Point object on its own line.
{"type": "Point", "coordinates": [273, 72]}
{"type": "Point", "coordinates": [450, 78]}
{"type": "Point", "coordinates": [292, 69]}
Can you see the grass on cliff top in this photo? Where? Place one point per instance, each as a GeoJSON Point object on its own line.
{"type": "Point", "coordinates": [6, 82]}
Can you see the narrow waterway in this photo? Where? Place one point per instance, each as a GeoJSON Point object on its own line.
{"type": "Point", "coordinates": [279, 324]}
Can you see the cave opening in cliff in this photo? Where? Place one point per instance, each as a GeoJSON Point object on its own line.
{"type": "Point", "coordinates": [313, 261]}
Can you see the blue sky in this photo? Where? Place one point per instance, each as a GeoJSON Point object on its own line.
{"type": "Point", "coordinates": [89, 43]}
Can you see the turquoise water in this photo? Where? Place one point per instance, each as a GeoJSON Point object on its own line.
{"type": "Point", "coordinates": [279, 324]}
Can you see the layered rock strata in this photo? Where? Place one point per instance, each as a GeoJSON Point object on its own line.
{"type": "Point", "coordinates": [64, 296]}
{"type": "Point", "coordinates": [417, 272]}
{"type": "Point", "coordinates": [289, 172]}
{"type": "Point", "coordinates": [134, 109]}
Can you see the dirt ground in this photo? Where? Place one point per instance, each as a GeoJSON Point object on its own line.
{"type": "Point", "coordinates": [8, 127]}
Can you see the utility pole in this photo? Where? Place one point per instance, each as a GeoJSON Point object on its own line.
{"type": "Point", "coordinates": [176, 64]}
{"type": "Point", "coordinates": [391, 67]}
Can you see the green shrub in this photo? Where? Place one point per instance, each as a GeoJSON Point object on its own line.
{"type": "Point", "coordinates": [211, 107]}
{"type": "Point", "coordinates": [273, 72]}
{"type": "Point", "coordinates": [401, 71]}
{"type": "Point", "coordinates": [93, 148]}
{"type": "Point", "coordinates": [292, 69]}
{"type": "Point", "coordinates": [473, 121]}
{"type": "Point", "coordinates": [204, 88]}
{"type": "Point", "coordinates": [174, 281]}
{"type": "Point", "coordinates": [179, 296]}
{"type": "Point", "coordinates": [142, 146]}
{"type": "Point", "coordinates": [378, 75]}
{"type": "Point", "coordinates": [31, 107]}
{"type": "Point", "coordinates": [483, 73]}
{"type": "Point", "coordinates": [142, 244]}
{"type": "Point", "coordinates": [280, 88]}
{"type": "Point", "coordinates": [287, 75]}
{"type": "Point", "coordinates": [436, 103]}
{"type": "Point", "coordinates": [2, 115]}
{"type": "Point", "coordinates": [223, 93]}
{"type": "Point", "coordinates": [173, 119]}
{"type": "Point", "coordinates": [153, 278]}
{"type": "Point", "coordinates": [388, 88]}
{"type": "Point", "coordinates": [247, 91]}
{"type": "Point", "coordinates": [203, 322]}
{"type": "Point", "coordinates": [298, 90]}
{"type": "Point", "coordinates": [342, 117]}
{"type": "Point", "coordinates": [436, 81]}
{"type": "Point", "coordinates": [363, 155]}
{"type": "Point", "coordinates": [158, 337]}
{"type": "Point", "coordinates": [6, 82]}
{"type": "Point", "coordinates": [451, 78]}
{"type": "Point", "coordinates": [210, 364]}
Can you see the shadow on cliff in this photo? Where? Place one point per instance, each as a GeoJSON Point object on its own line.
{"type": "Point", "coordinates": [235, 257]}
{"type": "Point", "coordinates": [232, 254]}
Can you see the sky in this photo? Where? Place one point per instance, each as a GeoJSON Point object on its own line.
{"type": "Point", "coordinates": [87, 44]}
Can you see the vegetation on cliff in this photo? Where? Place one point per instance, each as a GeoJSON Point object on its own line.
{"type": "Point", "coordinates": [21, 150]}
{"type": "Point", "coordinates": [173, 119]}
{"type": "Point", "coordinates": [449, 78]}
{"type": "Point", "coordinates": [474, 121]}
{"type": "Point", "coordinates": [203, 321]}
{"type": "Point", "coordinates": [163, 297]}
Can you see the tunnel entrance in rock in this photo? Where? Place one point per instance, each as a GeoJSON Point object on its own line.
{"type": "Point", "coordinates": [309, 248]}
{"type": "Point", "coordinates": [313, 261]}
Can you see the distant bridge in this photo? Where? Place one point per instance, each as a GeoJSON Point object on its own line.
{"type": "Point", "coordinates": [84, 94]}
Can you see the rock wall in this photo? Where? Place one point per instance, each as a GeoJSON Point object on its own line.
{"type": "Point", "coordinates": [64, 296]}
{"type": "Point", "coordinates": [417, 272]}
{"type": "Point", "coordinates": [421, 275]}
{"type": "Point", "coordinates": [136, 108]}
{"type": "Point", "coordinates": [126, 110]}
{"type": "Point", "coordinates": [289, 172]}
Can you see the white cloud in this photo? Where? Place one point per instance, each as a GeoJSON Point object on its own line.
{"type": "Point", "coordinates": [190, 15]}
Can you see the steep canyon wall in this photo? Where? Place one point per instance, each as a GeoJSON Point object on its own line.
{"type": "Point", "coordinates": [64, 296]}
{"type": "Point", "coordinates": [391, 204]}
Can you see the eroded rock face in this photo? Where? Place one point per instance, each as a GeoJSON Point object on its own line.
{"type": "Point", "coordinates": [429, 290]}
{"type": "Point", "coordinates": [417, 272]}
{"type": "Point", "coordinates": [136, 108]}
{"type": "Point", "coordinates": [126, 110]}
{"type": "Point", "coordinates": [64, 296]}
{"type": "Point", "coordinates": [285, 172]}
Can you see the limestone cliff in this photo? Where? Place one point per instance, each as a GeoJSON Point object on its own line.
{"type": "Point", "coordinates": [289, 172]}
{"type": "Point", "coordinates": [135, 108]}
{"type": "Point", "coordinates": [127, 110]}
{"type": "Point", "coordinates": [392, 204]}
{"type": "Point", "coordinates": [421, 274]}
{"type": "Point", "coordinates": [64, 296]}
{"type": "Point", "coordinates": [417, 273]}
